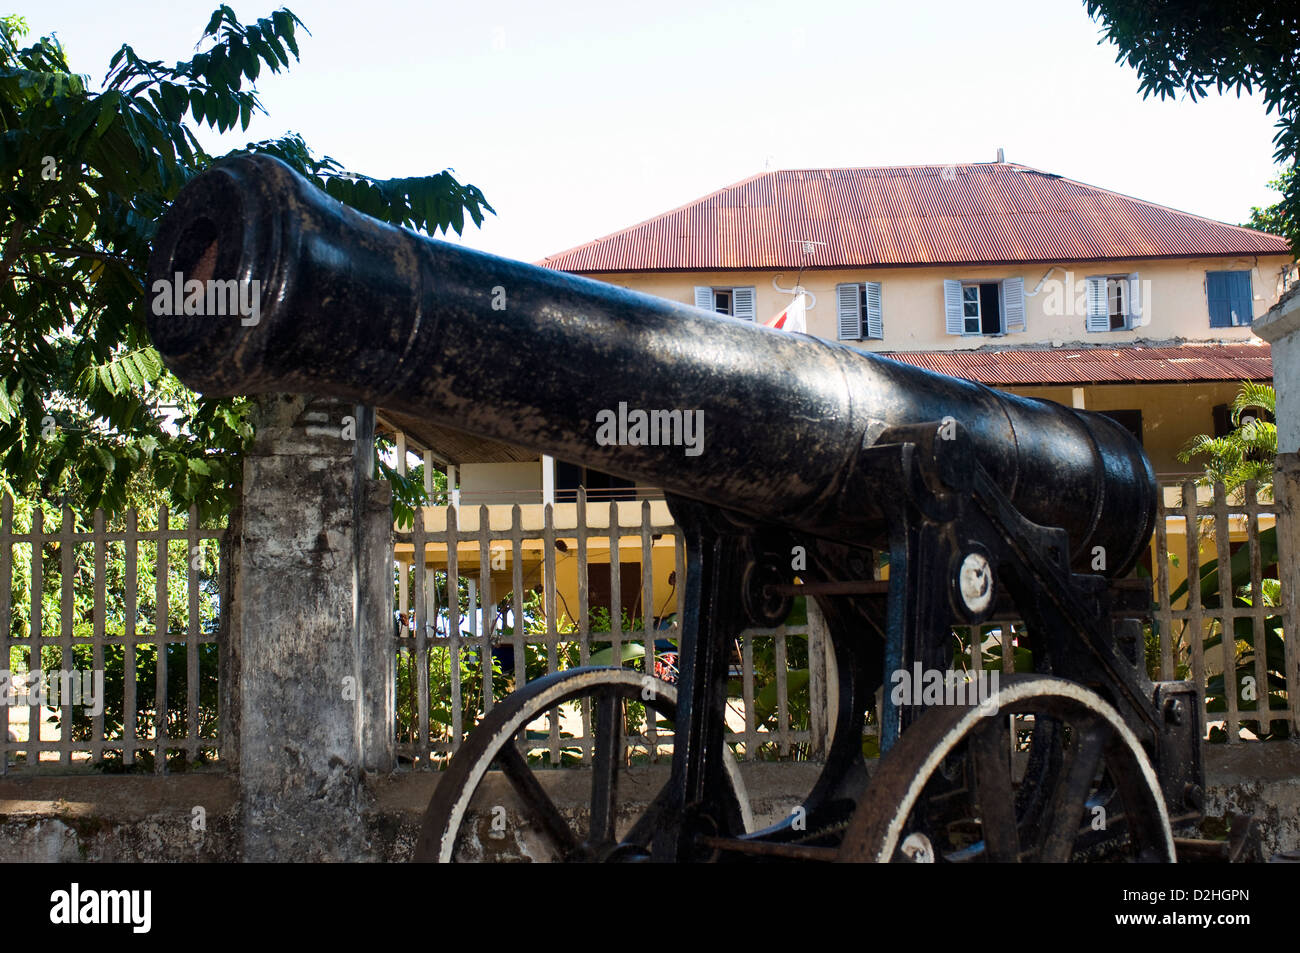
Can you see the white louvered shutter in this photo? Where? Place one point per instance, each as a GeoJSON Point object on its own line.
{"type": "Point", "coordinates": [952, 309]}
{"type": "Point", "coordinates": [850, 317]}
{"type": "Point", "coordinates": [1098, 305]}
{"type": "Point", "coordinates": [704, 298]}
{"type": "Point", "coordinates": [1013, 304]}
{"type": "Point", "coordinates": [1137, 308]}
{"type": "Point", "coordinates": [742, 303]}
{"type": "Point", "coordinates": [874, 326]}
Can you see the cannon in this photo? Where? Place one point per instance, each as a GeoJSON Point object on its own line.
{"type": "Point", "coordinates": [767, 444]}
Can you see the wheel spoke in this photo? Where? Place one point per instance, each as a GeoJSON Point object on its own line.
{"type": "Point", "coordinates": [1070, 796]}
{"type": "Point", "coordinates": [990, 751]}
{"type": "Point", "coordinates": [644, 827]}
{"type": "Point", "coordinates": [536, 801]}
{"type": "Point", "coordinates": [604, 766]}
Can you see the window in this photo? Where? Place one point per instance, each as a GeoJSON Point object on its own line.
{"type": "Point", "coordinates": [735, 302]}
{"type": "Point", "coordinates": [1115, 296]}
{"type": "Point", "coordinates": [970, 307]}
{"type": "Point", "coordinates": [984, 307]}
{"type": "Point", "coordinates": [859, 309]}
{"type": "Point", "coordinates": [1230, 298]}
{"type": "Point", "coordinates": [1130, 420]}
{"type": "Point", "coordinates": [1114, 303]}
{"type": "Point", "coordinates": [1223, 417]}
{"type": "Point", "coordinates": [600, 486]}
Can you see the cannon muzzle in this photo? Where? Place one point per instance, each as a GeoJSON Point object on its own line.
{"type": "Point", "coordinates": [313, 297]}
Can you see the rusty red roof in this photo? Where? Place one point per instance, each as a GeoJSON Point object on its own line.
{"type": "Point", "coordinates": [1100, 365]}
{"type": "Point", "coordinates": [985, 213]}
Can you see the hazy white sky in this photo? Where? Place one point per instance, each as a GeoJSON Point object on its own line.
{"type": "Point", "coordinates": [580, 118]}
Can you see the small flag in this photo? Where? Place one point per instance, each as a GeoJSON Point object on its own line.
{"type": "Point", "coordinates": [792, 318]}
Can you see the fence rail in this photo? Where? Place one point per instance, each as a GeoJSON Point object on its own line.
{"type": "Point", "coordinates": [77, 615]}
{"type": "Point", "coordinates": [540, 588]}
{"type": "Point", "coordinates": [1197, 531]}
{"type": "Point", "coordinates": [515, 612]}
{"type": "Point", "coordinates": [1232, 633]}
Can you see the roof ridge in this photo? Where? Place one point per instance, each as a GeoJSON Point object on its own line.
{"type": "Point", "coordinates": [1134, 231]}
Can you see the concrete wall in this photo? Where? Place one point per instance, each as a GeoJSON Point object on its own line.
{"type": "Point", "coordinates": [913, 312]}
{"type": "Point", "coordinates": [500, 482]}
{"type": "Point", "coordinates": [111, 819]}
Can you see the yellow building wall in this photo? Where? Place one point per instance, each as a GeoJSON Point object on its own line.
{"type": "Point", "coordinates": [495, 482]}
{"type": "Point", "coordinates": [913, 313]}
{"type": "Point", "coordinates": [1171, 413]}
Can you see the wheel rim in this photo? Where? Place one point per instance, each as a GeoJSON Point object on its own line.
{"type": "Point", "coordinates": [491, 743]}
{"type": "Point", "coordinates": [910, 779]}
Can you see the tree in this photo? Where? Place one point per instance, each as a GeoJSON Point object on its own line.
{"type": "Point", "coordinates": [1274, 218]}
{"type": "Point", "coordinates": [1190, 46]}
{"type": "Point", "coordinates": [87, 411]}
{"type": "Point", "coordinates": [1245, 453]}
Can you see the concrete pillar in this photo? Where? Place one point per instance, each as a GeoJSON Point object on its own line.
{"type": "Point", "coordinates": [1281, 328]}
{"type": "Point", "coordinates": [312, 635]}
{"type": "Point", "coordinates": [548, 479]}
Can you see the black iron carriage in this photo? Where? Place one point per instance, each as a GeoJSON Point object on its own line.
{"type": "Point", "coordinates": [986, 504]}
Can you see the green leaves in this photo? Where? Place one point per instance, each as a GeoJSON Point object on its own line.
{"type": "Point", "coordinates": [137, 368]}
{"type": "Point", "coordinates": [86, 407]}
{"type": "Point", "coordinates": [1191, 47]}
{"type": "Point", "coordinates": [1248, 451]}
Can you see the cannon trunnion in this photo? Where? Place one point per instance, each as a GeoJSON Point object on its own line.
{"type": "Point", "coordinates": [986, 503]}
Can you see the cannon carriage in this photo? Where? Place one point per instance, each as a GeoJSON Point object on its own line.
{"type": "Point", "coordinates": [986, 505]}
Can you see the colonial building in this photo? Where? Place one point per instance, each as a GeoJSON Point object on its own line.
{"type": "Point", "coordinates": [1016, 278]}
{"type": "Point", "coordinates": [1020, 279]}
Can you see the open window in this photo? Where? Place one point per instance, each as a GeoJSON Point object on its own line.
{"type": "Point", "coordinates": [1114, 303]}
{"type": "Point", "coordinates": [733, 302]}
{"type": "Point", "coordinates": [984, 307]}
{"type": "Point", "coordinates": [859, 309]}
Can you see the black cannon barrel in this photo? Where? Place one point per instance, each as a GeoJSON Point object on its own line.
{"type": "Point", "coordinates": [338, 303]}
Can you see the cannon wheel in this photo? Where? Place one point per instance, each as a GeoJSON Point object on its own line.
{"type": "Point", "coordinates": [491, 744]}
{"type": "Point", "coordinates": [961, 755]}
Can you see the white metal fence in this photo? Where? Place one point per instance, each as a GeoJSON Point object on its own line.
{"type": "Point", "coordinates": [542, 588]}
{"type": "Point", "coordinates": [518, 615]}
{"type": "Point", "coordinates": [110, 637]}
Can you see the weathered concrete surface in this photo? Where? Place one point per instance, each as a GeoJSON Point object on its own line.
{"type": "Point", "coordinates": [188, 817]}
{"type": "Point", "coordinates": [1280, 326]}
{"type": "Point", "coordinates": [305, 631]}
{"type": "Point", "coordinates": [1259, 779]}
{"type": "Point", "coordinates": [150, 819]}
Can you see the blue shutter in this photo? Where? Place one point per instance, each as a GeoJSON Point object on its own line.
{"type": "Point", "coordinates": [953, 321]}
{"type": "Point", "coordinates": [1013, 304]}
{"type": "Point", "coordinates": [1137, 317]}
{"type": "Point", "coordinates": [742, 303]}
{"type": "Point", "coordinates": [1240, 298]}
{"type": "Point", "coordinates": [704, 298]}
{"type": "Point", "coordinates": [1098, 305]}
{"type": "Point", "coordinates": [849, 314]}
{"type": "Point", "coordinates": [875, 324]}
{"type": "Point", "coordinates": [1217, 295]}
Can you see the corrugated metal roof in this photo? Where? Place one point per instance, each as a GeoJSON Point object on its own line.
{"type": "Point", "coordinates": [986, 213]}
{"type": "Point", "coordinates": [1187, 362]}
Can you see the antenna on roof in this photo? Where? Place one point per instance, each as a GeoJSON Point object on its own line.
{"type": "Point", "coordinates": [1001, 157]}
{"type": "Point", "coordinates": [809, 247]}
